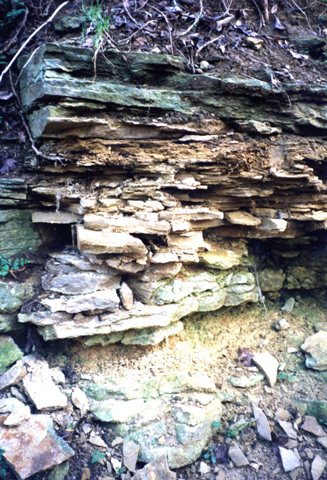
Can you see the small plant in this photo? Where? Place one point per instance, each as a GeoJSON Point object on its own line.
{"type": "Point", "coordinates": [12, 265]}
{"type": "Point", "coordinates": [97, 22]}
{"type": "Point", "coordinates": [97, 456]}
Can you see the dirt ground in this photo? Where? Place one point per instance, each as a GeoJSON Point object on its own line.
{"type": "Point", "coordinates": [210, 344]}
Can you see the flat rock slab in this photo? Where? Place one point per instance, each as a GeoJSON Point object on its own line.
{"type": "Point", "coordinates": [268, 365]}
{"type": "Point", "coordinates": [263, 427]}
{"type": "Point", "coordinates": [156, 470]}
{"type": "Point", "coordinates": [33, 446]}
{"type": "Point", "coordinates": [289, 459]}
{"type": "Point", "coordinates": [315, 348]}
{"type": "Point", "coordinates": [13, 375]}
{"type": "Point", "coordinates": [39, 386]}
{"type": "Point", "coordinates": [237, 456]}
{"type": "Point", "coordinates": [311, 425]}
{"type": "Point", "coordinates": [130, 454]}
{"type": "Point", "coordinates": [288, 429]}
{"type": "Point", "coordinates": [9, 352]}
{"type": "Point", "coordinates": [317, 467]}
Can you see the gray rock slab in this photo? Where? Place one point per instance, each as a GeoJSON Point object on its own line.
{"type": "Point", "coordinates": [13, 375]}
{"type": "Point", "coordinates": [263, 427]}
{"type": "Point", "coordinates": [288, 429]}
{"type": "Point", "coordinates": [268, 365]}
{"type": "Point", "coordinates": [311, 425]}
{"type": "Point", "coordinates": [79, 283]}
{"type": "Point", "coordinates": [323, 441]}
{"type": "Point", "coordinates": [289, 459]}
{"type": "Point", "coordinates": [102, 300]}
{"type": "Point", "coordinates": [130, 454]}
{"type": "Point", "coordinates": [39, 386]}
{"type": "Point", "coordinates": [158, 469]}
{"type": "Point", "coordinates": [237, 456]}
{"type": "Point", "coordinates": [317, 467]}
{"type": "Point", "coordinates": [42, 448]}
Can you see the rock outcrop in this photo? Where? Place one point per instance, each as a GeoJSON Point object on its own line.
{"type": "Point", "coordinates": [176, 193]}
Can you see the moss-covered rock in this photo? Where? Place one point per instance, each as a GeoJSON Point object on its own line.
{"type": "Point", "coordinates": [9, 353]}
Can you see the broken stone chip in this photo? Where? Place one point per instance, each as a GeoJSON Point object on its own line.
{"type": "Point", "coordinates": [33, 446]}
{"type": "Point", "coordinates": [268, 365]}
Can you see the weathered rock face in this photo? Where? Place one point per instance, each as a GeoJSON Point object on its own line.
{"type": "Point", "coordinates": [169, 415]}
{"type": "Point", "coordinates": [182, 193]}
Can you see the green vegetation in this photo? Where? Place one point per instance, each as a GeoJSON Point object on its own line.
{"type": "Point", "coordinates": [97, 22]}
{"type": "Point", "coordinates": [97, 456]}
{"type": "Point", "coordinates": [12, 265]}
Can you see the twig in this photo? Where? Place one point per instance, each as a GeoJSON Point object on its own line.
{"type": "Point", "coordinates": [19, 51]}
{"type": "Point", "coordinates": [127, 40]}
{"type": "Point", "coordinates": [51, 158]}
{"type": "Point", "coordinates": [196, 21]}
{"type": "Point", "coordinates": [266, 10]}
{"type": "Point", "coordinates": [129, 14]}
{"type": "Point", "coordinates": [18, 30]}
{"type": "Point", "coordinates": [213, 40]}
{"type": "Point", "coordinates": [168, 25]}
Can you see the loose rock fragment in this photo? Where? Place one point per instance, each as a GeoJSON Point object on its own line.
{"type": "Point", "coordinates": [130, 454]}
{"type": "Point", "coordinates": [39, 386]}
{"type": "Point", "coordinates": [80, 400]}
{"type": "Point", "coordinates": [281, 324]}
{"type": "Point", "coordinates": [156, 470]}
{"type": "Point", "coordinates": [126, 296]}
{"type": "Point", "coordinates": [315, 347]}
{"type": "Point", "coordinates": [311, 425]}
{"type": "Point", "coordinates": [317, 467]}
{"type": "Point", "coordinates": [237, 456]}
{"type": "Point", "coordinates": [288, 305]}
{"type": "Point", "coordinates": [289, 459]}
{"type": "Point", "coordinates": [42, 448]}
{"type": "Point", "coordinates": [14, 375]}
{"type": "Point", "coordinates": [288, 429]}
{"type": "Point", "coordinates": [263, 427]}
{"type": "Point", "coordinates": [268, 365]}
{"type": "Point", "coordinates": [204, 468]}
{"type": "Point", "coordinates": [323, 441]}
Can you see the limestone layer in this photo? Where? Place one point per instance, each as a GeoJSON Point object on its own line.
{"type": "Point", "coordinates": [179, 193]}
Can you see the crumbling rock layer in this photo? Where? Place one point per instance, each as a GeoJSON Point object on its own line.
{"type": "Point", "coordinates": [181, 193]}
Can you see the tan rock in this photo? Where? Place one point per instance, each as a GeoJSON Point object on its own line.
{"type": "Point", "coordinates": [315, 348]}
{"type": "Point", "coordinates": [91, 241]}
{"type": "Point", "coordinates": [39, 386]}
{"type": "Point", "coordinates": [268, 365]}
{"type": "Point", "coordinates": [42, 448]}
{"type": "Point", "coordinates": [126, 296]}
{"type": "Point", "coordinates": [158, 469]}
{"type": "Point", "coordinates": [242, 218]}
{"type": "Point", "coordinates": [126, 225]}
